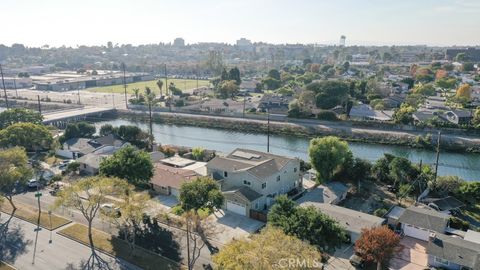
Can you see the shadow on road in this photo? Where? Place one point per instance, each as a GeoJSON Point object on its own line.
{"type": "Point", "coordinates": [152, 237]}
{"type": "Point", "coordinates": [12, 241]}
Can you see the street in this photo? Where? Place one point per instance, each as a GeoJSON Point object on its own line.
{"type": "Point", "coordinates": [99, 223]}
{"type": "Point", "coordinates": [18, 247]}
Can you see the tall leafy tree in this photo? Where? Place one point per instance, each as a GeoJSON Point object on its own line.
{"type": "Point", "coordinates": [130, 164]}
{"type": "Point", "coordinates": [306, 223]}
{"type": "Point", "coordinates": [234, 74]}
{"type": "Point", "coordinates": [160, 86]}
{"type": "Point", "coordinates": [30, 136]}
{"type": "Point", "coordinates": [378, 245]}
{"type": "Point", "coordinates": [264, 250]}
{"type": "Point", "coordinates": [14, 171]}
{"type": "Point", "coordinates": [78, 130]}
{"type": "Point", "coordinates": [329, 93]}
{"type": "Point", "coordinates": [327, 155]}
{"type": "Point", "coordinates": [87, 196]}
{"type": "Point", "coordinates": [19, 115]}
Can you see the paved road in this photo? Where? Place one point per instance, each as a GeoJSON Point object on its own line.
{"type": "Point", "coordinates": [64, 114]}
{"type": "Point", "coordinates": [47, 200]}
{"type": "Point", "coordinates": [18, 247]}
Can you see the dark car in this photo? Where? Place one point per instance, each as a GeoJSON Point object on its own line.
{"type": "Point", "coordinates": [357, 261]}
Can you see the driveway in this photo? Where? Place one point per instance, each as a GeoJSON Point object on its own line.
{"type": "Point", "coordinates": [340, 260]}
{"type": "Point", "coordinates": [413, 256]}
{"type": "Point", "coordinates": [164, 203]}
{"type": "Point", "coordinates": [229, 226]}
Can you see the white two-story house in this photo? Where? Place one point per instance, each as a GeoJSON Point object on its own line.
{"type": "Point", "coordinates": [251, 179]}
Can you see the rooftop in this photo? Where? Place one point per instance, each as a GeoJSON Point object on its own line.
{"type": "Point", "coordinates": [456, 250]}
{"type": "Point", "coordinates": [177, 161]}
{"type": "Point", "coordinates": [165, 175]}
{"type": "Point", "coordinates": [325, 193]}
{"type": "Point", "coordinates": [425, 218]}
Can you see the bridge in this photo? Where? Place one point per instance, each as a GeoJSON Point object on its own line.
{"type": "Point", "coordinates": [61, 118]}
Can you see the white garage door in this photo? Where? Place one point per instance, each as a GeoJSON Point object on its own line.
{"type": "Point", "coordinates": [414, 232]}
{"type": "Point", "coordinates": [236, 208]}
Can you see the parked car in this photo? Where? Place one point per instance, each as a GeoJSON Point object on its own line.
{"type": "Point", "coordinates": [33, 183]}
{"type": "Point", "coordinates": [357, 261]}
{"type": "Point", "coordinates": [110, 209]}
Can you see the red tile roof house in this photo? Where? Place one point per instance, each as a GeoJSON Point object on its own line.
{"type": "Point", "coordinates": [167, 179]}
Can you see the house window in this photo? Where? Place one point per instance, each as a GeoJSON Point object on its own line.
{"type": "Point", "coordinates": [441, 261]}
{"type": "Point", "coordinates": [245, 182]}
{"type": "Point", "coordinates": [295, 169]}
{"type": "Point", "coordinates": [264, 185]}
{"type": "Point", "coordinates": [225, 174]}
{"type": "Point", "coordinates": [278, 178]}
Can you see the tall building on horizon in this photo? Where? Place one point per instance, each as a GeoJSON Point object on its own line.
{"type": "Point", "coordinates": [179, 42]}
{"type": "Point", "coordinates": [342, 40]}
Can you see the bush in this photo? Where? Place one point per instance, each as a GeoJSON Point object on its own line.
{"type": "Point", "coordinates": [459, 224]}
{"type": "Point", "coordinates": [56, 178]}
{"type": "Point", "coordinates": [168, 151]}
{"type": "Point", "coordinates": [177, 210]}
{"type": "Point", "coordinates": [327, 115]}
{"type": "Point", "coordinates": [380, 212]}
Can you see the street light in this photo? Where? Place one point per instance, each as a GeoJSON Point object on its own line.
{"type": "Point", "coordinates": [51, 228]}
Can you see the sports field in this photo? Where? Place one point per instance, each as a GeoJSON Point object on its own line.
{"type": "Point", "coordinates": [184, 85]}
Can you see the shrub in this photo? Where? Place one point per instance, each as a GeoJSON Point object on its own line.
{"type": "Point", "coordinates": [327, 115]}
{"type": "Point", "coordinates": [380, 212]}
{"type": "Point", "coordinates": [459, 224]}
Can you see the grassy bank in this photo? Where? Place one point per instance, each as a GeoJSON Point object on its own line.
{"type": "Point", "coordinates": [297, 130]}
{"type": "Point", "coordinates": [181, 84]}
{"type": "Point", "coordinates": [30, 214]}
{"type": "Point", "coordinates": [118, 248]}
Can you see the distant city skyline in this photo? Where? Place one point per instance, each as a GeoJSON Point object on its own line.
{"type": "Point", "coordinates": [373, 22]}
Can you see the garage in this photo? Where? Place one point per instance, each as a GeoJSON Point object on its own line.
{"type": "Point", "coordinates": [416, 232]}
{"type": "Point", "coordinates": [236, 208]}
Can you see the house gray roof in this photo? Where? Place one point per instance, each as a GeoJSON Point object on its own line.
{"type": "Point", "coordinates": [445, 204]}
{"type": "Point", "coordinates": [462, 113]}
{"type": "Point", "coordinates": [353, 221]}
{"type": "Point", "coordinates": [92, 160]}
{"type": "Point", "coordinates": [456, 250]}
{"type": "Point", "coordinates": [246, 192]}
{"type": "Point", "coordinates": [109, 140]}
{"type": "Point", "coordinates": [81, 145]}
{"type": "Point", "coordinates": [325, 193]}
{"type": "Point", "coordinates": [257, 163]}
{"type": "Point", "coordinates": [425, 218]}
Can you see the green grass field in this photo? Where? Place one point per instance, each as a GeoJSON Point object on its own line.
{"type": "Point", "coordinates": [179, 83]}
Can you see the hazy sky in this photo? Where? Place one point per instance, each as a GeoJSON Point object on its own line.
{"type": "Point", "coordinates": [89, 22]}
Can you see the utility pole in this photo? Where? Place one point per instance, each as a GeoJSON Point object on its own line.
{"type": "Point", "coordinates": [39, 106]}
{"type": "Point", "coordinates": [4, 88]}
{"type": "Point", "coordinates": [166, 79]}
{"type": "Point", "coordinates": [244, 103]}
{"type": "Point", "coordinates": [78, 93]}
{"type": "Point", "coordinates": [268, 131]}
{"type": "Point", "coordinates": [439, 136]}
{"type": "Point", "coordinates": [125, 85]}
{"type": "Point", "coordinates": [15, 86]}
{"type": "Point", "coordinates": [188, 244]}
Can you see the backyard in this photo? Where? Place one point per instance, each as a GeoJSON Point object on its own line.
{"type": "Point", "coordinates": [184, 85]}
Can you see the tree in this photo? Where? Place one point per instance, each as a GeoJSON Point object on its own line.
{"type": "Point", "coordinates": [151, 101]}
{"type": "Point", "coordinates": [130, 164]}
{"type": "Point", "coordinates": [19, 115]}
{"type": "Point", "coordinates": [381, 169]}
{"type": "Point", "coordinates": [106, 129]}
{"type": "Point", "coordinates": [132, 208]}
{"type": "Point", "coordinates": [271, 83]}
{"type": "Point", "coordinates": [227, 89]}
{"type": "Point", "coordinates": [467, 67]}
{"type": "Point", "coordinates": [460, 57]}
{"type": "Point", "coordinates": [327, 155]}
{"type": "Point", "coordinates": [446, 83]}
{"type": "Point", "coordinates": [202, 193]}
{"type": "Point", "coordinates": [401, 170]}
{"type": "Point", "coordinates": [234, 75]}
{"type": "Point", "coordinates": [78, 130]}
{"type": "Point", "coordinates": [87, 195]}
{"type": "Point", "coordinates": [133, 135]}
{"type": "Point", "coordinates": [378, 245]}
{"type": "Point", "coordinates": [329, 93]}
{"type": "Point", "coordinates": [273, 73]}
{"type": "Point", "coordinates": [424, 89]}
{"type": "Point", "coordinates": [446, 185]}
{"type": "Point", "coordinates": [469, 192]}
{"type": "Point", "coordinates": [198, 153]}
{"type": "Point", "coordinates": [404, 115]}
{"type": "Point", "coordinates": [174, 90]}
{"type": "Point", "coordinates": [306, 223]}
{"type": "Point", "coordinates": [464, 91]}
{"type": "Point", "coordinates": [30, 136]}
{"type": "Point", "coordinates": [160, 86]}
{"type": "Point", "coordinates": [476, 117]}
{"type": "Point", "coordinates": [14, 171]}
{"type": "Point", "coordinates": [270, 249]}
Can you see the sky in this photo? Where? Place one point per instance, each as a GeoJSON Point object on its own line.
{"type": "Point", "coordinates": [363, 22]}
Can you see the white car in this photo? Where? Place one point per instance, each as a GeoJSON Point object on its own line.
{"type": "Point", "coordinates": [110, 209]}
{"type": "Point", "coordinates": [33, 183]}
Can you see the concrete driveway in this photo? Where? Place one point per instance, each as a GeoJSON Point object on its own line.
{"type": "Point", "coordinates": [413, 255]}
{"type": "Point", "coordinates": [340, 260]}
{"type": "Point", "coordinates": [165, 202]}
{"type": "Point", "coordinates": [229, 226]}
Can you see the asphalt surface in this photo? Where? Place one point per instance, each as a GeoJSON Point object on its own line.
{"type": "Point", "coordinates": [22, 241]}
{"type": "Point", "coordinates": [99, 223]}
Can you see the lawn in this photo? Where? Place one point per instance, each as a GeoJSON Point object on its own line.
{"type": "Point", "coordinates": [179, 83]}
{"type": "Point", "coordinates": [119, 248]}
{"type": "Point", "coordinates": [30, 214]}
{"type": "Point", "coordinates": [4, 266]}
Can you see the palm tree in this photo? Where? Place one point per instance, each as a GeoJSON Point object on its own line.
{"type": "Point", "coordinates": [136, 92]}
{"type": "Point", "coordinates": [160, 85]}
{"type": "Point", "coordinates": [150, 100]}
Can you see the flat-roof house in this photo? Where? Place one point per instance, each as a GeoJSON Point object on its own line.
{"type": "Point", "coordinates": [418, 222]}
{"type": "Point", "coordinates": [353, 221]}
{"type": "Point", "coordinates": [453, 253]}
{"type": "Point", "coordinates": [244, 173]}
